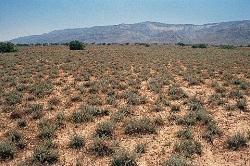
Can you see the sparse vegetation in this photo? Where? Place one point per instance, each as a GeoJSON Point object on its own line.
{"type": "Point", "coordinates": [160, 102]}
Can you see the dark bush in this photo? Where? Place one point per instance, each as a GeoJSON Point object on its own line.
{"type": "Point", "coordinates": [47, 129]}
{"type": "Point", "coordinates": [6, 151]}
{"type": "Point", "coordinates": [13, 98]}
{"type": "Point", "coordinates": [7, 47]}
{"type": "Point", "coordinates": [104, 129]}
{"type": "Point", "coordinates": [77, 142]}
{"type": "Point", "coordinates": [199, 46]}
{"type": "Point", "coordinates": [242, 104]}
{"type": "Point", "coordinates": [76, 45]}
{"type": "Point", "coordinates": [123, 158]}
{"type": "Point", "coordinates": [188, 148]}
{"type": "Point", "coordinates": [17, 139]}
{"type": "Point", "coordinates": [15, 115]}
{"type": "Point", "coordinates": [45, 154]}
{"type": "Point", "coordinates": [41, 89]}
{"type": "Point", "coordinates": [180, 44]}
{"type": "Point", "coordinates": [21, 123]}
{"type": "Point", "coordinates": [236, 141]}
{"type": "Point", "coordinates": [88, 113]}
{"type": "Point", "coordinates": [140, 126]}
{"type": "Point", "coordinates": [211, 132]}
{"type": "Point", "coordinates": [101, 147]}
{"type": "Point", "coordinates": [185, 134]}
{"type": "Point", "coordinates": [120, 114]}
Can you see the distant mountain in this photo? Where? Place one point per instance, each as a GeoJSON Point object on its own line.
{"type": "Point", "coordinates": [234, 32]}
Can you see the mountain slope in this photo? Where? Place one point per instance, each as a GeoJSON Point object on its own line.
{"type": "Point", "coordinates": [234, 32]}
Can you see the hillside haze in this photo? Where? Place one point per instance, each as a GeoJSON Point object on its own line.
{"type": "Point", "coordinates": [234, 32]}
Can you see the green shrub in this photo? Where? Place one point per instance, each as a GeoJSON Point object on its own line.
{"type": "Point", "coordinates": [7, 47]}
{"type": "Point", "coordinates": [217, 99]}
{"type": "Point", "coordinates": [36, 110]}
{"type": "Point", "coordinates": [236, 141]}
{"type": "Point", "coordinates": [123, 158]}
{"type": "Point", "coordinates": [104, 129]}
{"type": "Point", "coordinates": [176, 160]}
{"type": "Point", "coordinates": [134, 99]}
{"type": "Point", "coordinates": [120, 114]}
{"type": "Point", "coordinates": [176, 93]}
{"type": "Point", "coordinates": [47, 129]}
{"type": "Point", "coordinates": [13, 98]}
{"type": "Point", "coordinates": [158, 121]}
{"type": "Point", "coordinates": [211, 132]}
{"type": "Point", "coordinates": [15, 136]}
{"type": "Point", "coordinates": [41, 89]}
{"type": "Point", "coordinates": [195, 104]}
{"type": "Point", "coordinates": [140, 126]}
{"type": "Point", "coordinates": [87, 113]}
{"type": "Point", "coordinates": [193, 117]}
{"type": "Point", "coordinates": [162, 101]}
{"type": "Point", "coordinates": [188, 148]}
{"type": "Point", "coordinates": [45, 154]}
{"type": "Point", "coordinates": [111, 100]}
{"type": "Point", "coordinates": [187, 120]}
{"type": "Point", "coordinates": [7, 150]}
{"type": "Point", "coordinates": [185, 134]}
{"type": "Point", "coordinates": [242, 104]}
{"type": "Point", "coordinates": [77, 142]}
{"type": "Point", "coordinates": [81, 116]}
{"type": "Point", "coordinates": [76, 45]}
{"type": "Point", "coordinates": [101, 147]}
{"type": "Point", "coordinates": [59, 119]}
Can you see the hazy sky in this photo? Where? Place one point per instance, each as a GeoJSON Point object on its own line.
{"type": "Point", "coordinates": [28, 17]}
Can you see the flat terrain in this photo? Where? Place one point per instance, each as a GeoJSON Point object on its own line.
{"type": "Point", "coordinates": [145, 106]}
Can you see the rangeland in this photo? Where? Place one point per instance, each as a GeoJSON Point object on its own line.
{"type": "Point", "coordinates": [140, 105]}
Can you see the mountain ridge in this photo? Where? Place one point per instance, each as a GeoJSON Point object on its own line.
{"type": "Point", "coordinates": [232, 32]}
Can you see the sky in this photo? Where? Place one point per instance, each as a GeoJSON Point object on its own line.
{"type": "Point", "coordinates": [29, 17]}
